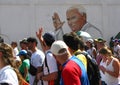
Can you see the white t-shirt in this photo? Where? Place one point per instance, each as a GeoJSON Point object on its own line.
{"type": "Point", "coordinates": [8, 75]}
{"type": "Point", "coordinates": [52, 65]}
{"type": "Point", "coordinates": [37, 60]}
{"type": "Point", "coordinates": [90, 52]}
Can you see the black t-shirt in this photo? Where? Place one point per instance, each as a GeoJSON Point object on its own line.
{"type": "Point", "coordinates": [4, 84]}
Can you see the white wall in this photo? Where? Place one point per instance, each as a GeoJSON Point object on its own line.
{"type": "Point", "coordinates": [22, 18]}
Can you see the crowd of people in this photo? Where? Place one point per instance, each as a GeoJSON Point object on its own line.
{"type": "Point", "coordinates": [31, 66]}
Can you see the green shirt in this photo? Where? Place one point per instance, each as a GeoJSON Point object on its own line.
{"type": "Point", "coordinates": [25, 64]}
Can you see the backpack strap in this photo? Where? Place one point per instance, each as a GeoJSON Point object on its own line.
{"type": "Point", "coordinates": [46, 60]}
{"type": "Point", "coordinates": [83, 53]}
{"type": "Point", "coordinates": [4, 84]}
{"type": "Point", "coordinates": [83, 77]}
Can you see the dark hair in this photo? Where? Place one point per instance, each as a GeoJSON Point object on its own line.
{"type": "Point", "coordinates": [14, 43]}
{"type": "Point", "coordinates": [73, 41]}
{"type": "Point", "coordinates": [48, 38]}
{"type": "Point", "coordinates": [32, 39]}
{"type": "Point", "coordinates": [24, 41]}
{"type": "Point", "coordinates": [1, 40]}
{"type": "Point", "coordinates": [25, 56]}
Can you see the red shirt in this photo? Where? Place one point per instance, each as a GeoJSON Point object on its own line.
{"type": "Point", "coordinates": [71, 74]}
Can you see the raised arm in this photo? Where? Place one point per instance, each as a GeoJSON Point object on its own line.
{"type": "Point", "coordinates": [39, 36]}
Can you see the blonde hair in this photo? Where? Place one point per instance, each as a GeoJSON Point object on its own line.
{"type": "Point", "coordinates": [106, 50]}
{"type": "Point", "coordinates": [9, 59]}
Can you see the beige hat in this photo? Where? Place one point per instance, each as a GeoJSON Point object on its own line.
{"type": "Point", "coordinates": [57, 46]}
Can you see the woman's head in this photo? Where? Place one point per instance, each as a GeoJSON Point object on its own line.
{"type": "Point", "coordinates": [6, 53]}
{"type": "Point", "coordinates": [105, 51]}
{"type": "Point", "coordinates": [7, 58]}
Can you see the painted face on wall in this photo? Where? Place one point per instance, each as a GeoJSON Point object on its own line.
{"type": "Point", "coordinates": [75, 20]}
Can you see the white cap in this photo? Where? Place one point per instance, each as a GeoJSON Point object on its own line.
{"type": "Point", "coordinates": [90, 40]}
{"type": "Point", "coordinates": [84, 35]}
{"type": "Point", "coordinates": [57, 46]}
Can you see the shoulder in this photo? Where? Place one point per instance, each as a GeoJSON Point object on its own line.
{"type": "Point", "coordinates": [10, 72]}
{"type": "Point", "coordinates": [26, 61]}
{"type": "Point", "coordinates": [7, 70]}
{"type": "Point", "coordinates": [93, 48]}
{"type": "Point", "coordinates": [39, 53]}
{"type": "Point", "coordinates": [8, 75]}
{"type": "Point", "coordinates": [71, 66]}
{"type": "Point", "coordinates": [48, 53]}
{"type": "Point", "coordinates": [71, 70]}
{"type": "Point", "coordinates": [116, 61]}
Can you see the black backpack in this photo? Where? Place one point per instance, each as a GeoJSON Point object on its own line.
{"type": "Point", "coordinates": [92, 69]}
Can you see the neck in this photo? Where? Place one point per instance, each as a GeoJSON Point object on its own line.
{"type": "Point", "coordinates": [66, 57]}
{"type": "Point", "coordinates": [2, 64]}
{"type": "Point", "coordinates": [35, 49]}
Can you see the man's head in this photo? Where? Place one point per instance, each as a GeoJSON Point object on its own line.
{"type": "Point", "coordinates": [76, 17]}
{"type": "Point", "coordinates": [60, 51]}
{"type": "Point", "coordinates": [73, 41]}
{"type": "Point", "coordinates": [48, 38]}
{"type": "Point", "coordinates": [59, 48]}
{"type": "Point", "coordinates": [14, 44]}
{"type": "Point", "coordinates": [32, 43]}
{"type": "Point", "coordinates": [23, 44]}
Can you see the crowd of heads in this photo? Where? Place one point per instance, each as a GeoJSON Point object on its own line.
{"type": "Point", "coordinates": [61, 49]}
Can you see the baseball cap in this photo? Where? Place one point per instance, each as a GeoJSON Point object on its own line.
{"type": "Point", "coordinates": [115, 40]}
{"type": "Point", "coordinates": [84, 35]}
{"type": "Point", "coordinates": [90, 40]}
{"type": "Point", "coordinates": [99, 40]}
{"type": "Point", "coordinates": [22, 52]}
{"type": "Point", "coordinates": [24, 41]}
{"type": "Point", "coordinates": [49, 38]}
{"type": "Point", "coordinates": [57, 46]}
